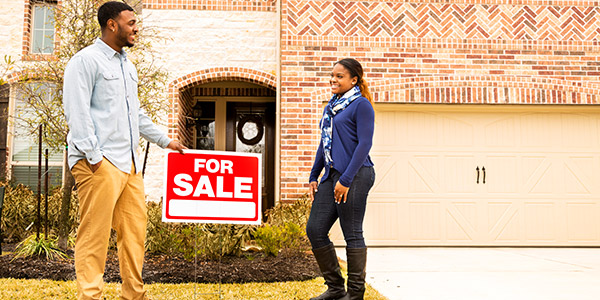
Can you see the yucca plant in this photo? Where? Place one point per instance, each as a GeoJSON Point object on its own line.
{"type": "Point", "coordinates": [42, 247]}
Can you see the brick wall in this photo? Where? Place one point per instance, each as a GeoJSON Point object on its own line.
{"type": "Point", "coordinates": [433, 51]}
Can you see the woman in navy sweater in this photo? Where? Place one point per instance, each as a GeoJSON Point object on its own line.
{"type": "Point", "coordinates": [346, 138]}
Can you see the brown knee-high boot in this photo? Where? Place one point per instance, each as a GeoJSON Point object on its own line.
{"type": "Point", "coordinates": [328, 263]}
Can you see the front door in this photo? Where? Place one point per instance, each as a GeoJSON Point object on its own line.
{"type": "Point", "coordinates": [251, 128]}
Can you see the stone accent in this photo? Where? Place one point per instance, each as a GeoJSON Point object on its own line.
{"type": "Point", "coordinates": [208, 44]}
{"type": "Point", "coordinates": [225, 5]}
{"type": "Point", "coordinates": [11, 27]}
{"type": "Point", "coordinates": [197, 40]}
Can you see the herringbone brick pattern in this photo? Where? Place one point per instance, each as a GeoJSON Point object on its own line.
{"type": "Point", "coordinates": [443, 20]}
{"type": "Point", "coordinates": [432, 51]}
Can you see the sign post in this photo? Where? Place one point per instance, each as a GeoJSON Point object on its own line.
{"type": "Point", "coordinates": [213, 187]}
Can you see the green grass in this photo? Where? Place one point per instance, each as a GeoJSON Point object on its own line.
{"type": "Point", "coordinates": [61, 290]}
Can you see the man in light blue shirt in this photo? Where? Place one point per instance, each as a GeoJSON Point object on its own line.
{"type": "Point", "coordinates": [105, 121]}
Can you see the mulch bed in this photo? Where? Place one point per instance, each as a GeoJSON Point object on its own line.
{"type": "Point", "coordinates": [158, 268]}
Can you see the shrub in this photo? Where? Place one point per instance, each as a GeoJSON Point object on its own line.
{"type": "Point", "coordinates": [284, 232]}
{"type": "Point", "coordinates": [285, 229]}
{"type": "Point", "coordinates": [296, 212]}
{"type": "Point", "coordinates": [19, 211]}
{"type": "Point", "coordinates": [205, 240]}
{"type": "Point", "coordinates": [269, 238]}
{"type": "Point", "coordinates": [42, 247]}
{"type": "Point", "coordinates": [288, 239]}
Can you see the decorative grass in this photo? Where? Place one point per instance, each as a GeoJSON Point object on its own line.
{"type": "Point", "coordinates": [65, 290]}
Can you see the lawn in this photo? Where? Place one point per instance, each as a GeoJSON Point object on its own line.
{"type": "Point", "coordinates": [63, 290]}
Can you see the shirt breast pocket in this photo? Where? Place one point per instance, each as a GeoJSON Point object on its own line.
{"type": "Point", "coordinates": [110, 87]}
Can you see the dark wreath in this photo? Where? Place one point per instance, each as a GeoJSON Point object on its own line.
{"type": "Point", "coordinates": [256, 119]}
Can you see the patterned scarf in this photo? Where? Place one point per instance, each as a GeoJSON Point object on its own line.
{"type": "Point", "coordinates": [336, 104]}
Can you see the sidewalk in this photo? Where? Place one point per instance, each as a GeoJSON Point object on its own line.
{"type": "Point", "coordinates": [484, 273]}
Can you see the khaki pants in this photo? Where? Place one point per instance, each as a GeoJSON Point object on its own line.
{"type": "Point", "coordinates": [109, 198]}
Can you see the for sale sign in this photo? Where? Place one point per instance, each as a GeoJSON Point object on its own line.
{"type": "Point", "coordinates": [212, 187]}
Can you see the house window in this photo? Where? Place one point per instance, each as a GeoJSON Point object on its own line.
{"type": "Point", "coordinates": [39, 35]}
{"type": "Point", "coordinates": [42, 41]}
{"type": "Point", "coordinates": [24, 146]}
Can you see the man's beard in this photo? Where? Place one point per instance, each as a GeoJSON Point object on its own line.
{"type": "Point", "coordinates": [124, 38]}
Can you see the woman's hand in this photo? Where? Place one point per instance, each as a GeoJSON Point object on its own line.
{"type": "Point", "coordinates": [340, 193]}
{"type": "Point", "coordinates": [312, 189]}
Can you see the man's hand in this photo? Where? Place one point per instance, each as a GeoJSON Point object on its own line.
{"type": "Point", "coordinates": [177, 146]}
{"type": "Point", "coordinates": [312, 189]}
{"type": "Point", "coordinates": [96, 166]}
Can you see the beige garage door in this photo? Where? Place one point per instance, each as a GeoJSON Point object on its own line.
{"type": "Point", "coordinates": [541, 168]}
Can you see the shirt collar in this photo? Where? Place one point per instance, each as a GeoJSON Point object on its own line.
{"type": "Point", "coordinates": [108, 51]}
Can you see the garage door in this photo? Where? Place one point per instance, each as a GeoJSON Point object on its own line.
{"type": "Point", "coordinates": [485, 175]}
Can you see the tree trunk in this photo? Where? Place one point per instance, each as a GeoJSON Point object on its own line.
{"type": "Point", "coordinates": [64, 224]}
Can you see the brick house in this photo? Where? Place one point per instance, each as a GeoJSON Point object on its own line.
{"type": "Point", "coordinates": [487, 124]}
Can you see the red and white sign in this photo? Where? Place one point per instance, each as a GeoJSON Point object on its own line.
{"type": "Point", "coordinates": [213, 187]}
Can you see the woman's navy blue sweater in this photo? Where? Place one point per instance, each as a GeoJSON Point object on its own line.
{"type": "Point", "coordinates": [352, 138]}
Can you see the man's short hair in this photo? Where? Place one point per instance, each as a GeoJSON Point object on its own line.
{"type": "Point", "coordinates": [111, 10]}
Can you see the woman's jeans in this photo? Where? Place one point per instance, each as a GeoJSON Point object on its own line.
{"type": "Point", "coordinates": [325, 211]}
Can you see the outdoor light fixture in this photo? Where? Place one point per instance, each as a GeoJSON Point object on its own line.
{"type": "Point", "coordinates": [194, 119]}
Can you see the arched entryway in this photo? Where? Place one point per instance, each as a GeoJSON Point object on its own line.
{"type": "Point", "coordinates": [228, 109]}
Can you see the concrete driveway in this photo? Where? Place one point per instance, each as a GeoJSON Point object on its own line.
{"type": "Point", "coordinates": [484, 273]}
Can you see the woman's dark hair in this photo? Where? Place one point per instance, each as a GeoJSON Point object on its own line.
{"type": "Point", "coordinates": [356, 70]}
{"type": "Point", "coordinates": [111, 10]}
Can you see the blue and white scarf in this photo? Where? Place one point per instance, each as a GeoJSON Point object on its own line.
{"type": "Point", "coordinates": [336, 104]}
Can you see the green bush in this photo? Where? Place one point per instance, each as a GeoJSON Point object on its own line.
{"type": "Point", "coordinates": [19, 211]}
{"type": "Point", "coordinates": [294, 239]}
{"type": "Point", "coordinates": [42, 247]}
{"type": "Point", "coordinates": [288, 239]}
{"type": "Point", "coordinates": [204, 240]}
{"type": "Point", "coordinates": [285, 229]}
{"type": "Point", "coordinates": [269, 238]}
{"type": "Point", "coordinates": [296, 212]}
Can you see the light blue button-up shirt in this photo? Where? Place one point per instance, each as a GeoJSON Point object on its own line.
{"type": "Point", "coordinates": [100, 99]}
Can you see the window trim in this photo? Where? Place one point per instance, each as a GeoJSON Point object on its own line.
{"type": "Point", "coordinates": [28, 24]}
{"type": "Point", "coordinates": [10, 143]}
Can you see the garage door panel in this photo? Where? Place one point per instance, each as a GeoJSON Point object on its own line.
{"type": "Point", "coordinates": [538, 131]}
{"type": "Point", "coordinates": [582, 221]}
{"type": "Point", "coordinates": [541, 221]}
{"type": "Point", "coordinates": [386, 173]}
{"type": "Point", "coordinates": [541, 181]}
{"type": "Point", "coordinates": [388, 129]}
{"type": "Point", "coordinates": [461, 222]}
{"type": "Point", "coordinates": [425, 221]}
{"type": "Point", "coordinates": [450, 126]}
{"type": "Point", "coordinates": [501, 133]}
{"type": "Point", "coordinates": [504, 223]}
{"type": "Point", "coordinates": [421, 129]}
{"type": "Point", "coordinates": [588, 166]}
{"type": "Point", "coordinates": [580, 175]}
{"type": "Point", "coordinates": [501, 174]}
{"type": "Point", "coordinates": [381, 222]}
{"type": "Point", "coordinates": [423, 175]}
{"type": "Point", "coordinates": [460, 174]}
{"type": "Point", "coordinates": [575, 131]}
